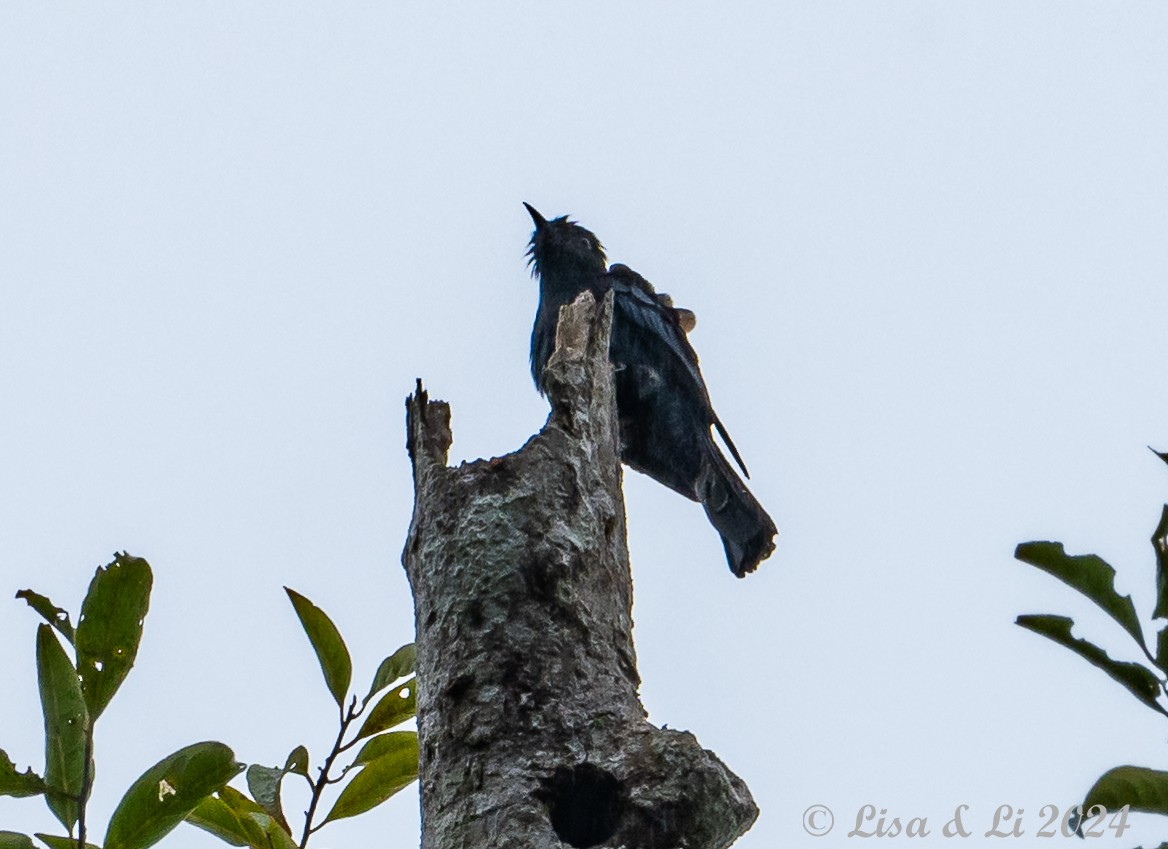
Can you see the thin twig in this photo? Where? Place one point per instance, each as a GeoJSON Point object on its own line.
{"type": "Point", "coordinates": [86, 778]}
{"type": "Point", "coordinates": [322, 781]}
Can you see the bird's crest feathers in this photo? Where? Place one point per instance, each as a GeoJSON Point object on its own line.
{"type": "Point", "coordinates": [559, 241]}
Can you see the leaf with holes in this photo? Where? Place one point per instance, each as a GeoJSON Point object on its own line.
{"type": "Point", "coordinates": [110, 628]}
{"type": "Point", "coordinates": [58, 617]}
{"type": "Point", "coordinates": [397, 665]}
{"type": "Point", "coordinates": [297, 761]}
{"type": "Point", "coordinates": [395, 707]}
{"type": "Point", "coordinates": [1140, 681]}
{"type": "Point", "coordinates": [326, 641]}
{"type": "Point", "coordinates": [384, 744]}
{"type": "Point", "coordinates": [1090, 575]}
{"type": "Point", "coordinates": [19, 784]}
{"type": "Point", "coordinates": [167, 792]}
{"type": "Point", "coordinates": [377, 781]}
{"type": "Point", "coordinates": [66, 727]}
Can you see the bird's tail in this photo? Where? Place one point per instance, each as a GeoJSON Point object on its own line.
{"type": "Point", "coordinates": [747, 531]}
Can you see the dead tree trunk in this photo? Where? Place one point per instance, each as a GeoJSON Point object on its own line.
{"type": "Point", "coordinates": [531, 733]}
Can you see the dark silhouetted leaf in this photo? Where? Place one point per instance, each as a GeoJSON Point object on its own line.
{"type": "Point", "coordinates": [66, 727]}
{"type": "Point", "coordinates": [1140, 681]}
{"type": "Point", "coordinates": [1143, 789]}
{"type": "Point", "coordinates": [14, 840]}
{"type": "Point", "coordinates": [397, 665]}
{"type": "Point", "coordinates": [1163, 456]}
{"type": "Point", "coordinates": [13, 783]}
{"type": "Point", "coordinates": [326, 640]}
{"type": "Point", "coordinates": [264, 784]}
{"type": "Point", "coordinates": [297, 762]}
{"type": "Point", "coordinates": [167, 792]}
{"type": "Point", "coordinates": [384, 744]}
{"type": "Point", "coordinates": [1162, 648]}
{"type": "Point", "coordinates": [1160, 546]}
{"type": "Point", "coordinates": [110, 627]}
{"type": "Point", "coordinates": [376, 782]}
{"type": "Point", "coordinates": [395, 707]}
{"type": "Point", "coordinates": [1091, 576]}
{"type": "Point", "coordinates": [61, 842]}
{"type": "Point", "coordinates": [58, 617]}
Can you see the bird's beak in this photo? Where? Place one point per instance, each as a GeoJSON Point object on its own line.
{"type": "Point", "coordinates": [540, 221]}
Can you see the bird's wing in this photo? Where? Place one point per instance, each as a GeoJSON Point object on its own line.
{"type": "Point", "coordinates": [652, 315]}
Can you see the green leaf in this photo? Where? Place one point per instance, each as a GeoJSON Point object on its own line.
{"type": "Point", "coordinates": [167, 792]}
{"type": "Point", "coordinates": [61, 842]}
{"type": "Point", "coordinates": [395, 707]}
{"type": "Point", "coordinates": [297, 762]}
{"type": "Point", "coordinates": [376, 782]}
{"type": "Point", "coordinates": [230, 816]}
{"type": "Point", "coordinates": [384, 744]}
{"type": "Point", "coordinates": [214, 816]}
{"type": "Point", "coordinates": [1162, 648]}
{"type": "Point", "coordinates": [264, 784]}
{"type": "Point", "coordinates": [275, 836]}
{"type": "Point", "coordinates": [19, 784]}
{"type": "Point", "coordinates": [1091, 576]}
{"type": "Point", "coordinates": [110, 627]}
{"type": "Point", "coordinates": [1160, 546]}
{"type": "Point", "coordinates": [397, 665]}
{"type": "Point", "coordinates": [66, 727]}
{"type": "Point", "coordinates": [1144, 789]}
{"type": "Point", "coordinates": [58, 617]}
{"type": "Point", "coordinates": [15, 840]}
{"type": "Point", "coordinates": [326, 640]}
{"type": "Point", "coordinates": [236, 819]}
{"type": "Point", "coordinates": [1140, 681]}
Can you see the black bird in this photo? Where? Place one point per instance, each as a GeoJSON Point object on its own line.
{"type": "Point", "coordinates": [664, 408]}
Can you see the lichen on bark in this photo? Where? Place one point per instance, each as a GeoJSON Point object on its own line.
{"type": "Point", "coordinates": [531, 732]}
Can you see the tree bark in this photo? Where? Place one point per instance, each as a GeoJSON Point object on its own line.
{"type": "Point", "coordinates": [530, 729]}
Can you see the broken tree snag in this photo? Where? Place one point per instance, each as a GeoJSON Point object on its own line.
{"type": "Point", "coordinates": [530, 729]}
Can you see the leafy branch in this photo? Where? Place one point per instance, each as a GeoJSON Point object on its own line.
{"type": "Point", "coordinates": [1125, 787]}
{"type": "Point", "coordinates": [192, 783]}
{"type": "Point", "coordinates": [385, 764]}
{"type": "Point", "coordinates": [74, 692]}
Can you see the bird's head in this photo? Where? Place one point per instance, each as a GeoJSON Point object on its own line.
{"type": "Point", "coordinates": [562, 247]}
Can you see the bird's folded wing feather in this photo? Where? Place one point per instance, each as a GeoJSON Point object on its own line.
{"type": "Point", "coordinates": [637, 302]}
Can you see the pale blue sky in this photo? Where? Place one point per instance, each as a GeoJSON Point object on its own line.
{"type": "Point", "coordinates": [926, 246]}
